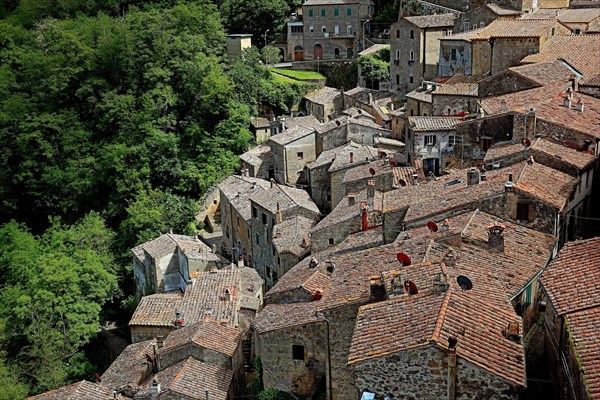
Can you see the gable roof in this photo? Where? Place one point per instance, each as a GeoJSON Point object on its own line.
{"type": "Point", "coordinates": [237, 189]}
{"type": "Point", "coordinates": [432, 21]}
{"type": "Point", "coordinates": [547, 184]}
{"type": "Point", "coordinates": [565, 15]}
{"type": "Point", "coordinates": [323, 95]}
{"type": "Point", "coordinates": [563, 154]}
{"type": "Point", "coordinates": [257, 155]}
{"type": "Point", "coordinates": [130, 367]}
{"type": "Point", "coordinates": [208, 334]}
{"type": "Point", "coordinates": [291, 234]}
{"type": "Point", "coordinates": [282, 197]}
{"type": "Point", "coordinates": [545, 72]}
{"type": "Point", "coordinates": [571, 279]}
{"type": "Point", "coordinates": [82, 390]}
{"type": "Point", "coordinates": [584, 327]}
{"type": "Point", "coordinates": [280, 316]}
{"type": "Point", "coordinates": [291, 135]}
{"type": "Point", "coordinates": [433, 124]}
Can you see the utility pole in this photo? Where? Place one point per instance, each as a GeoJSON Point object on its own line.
{"type": "Point", "coordinates": [265, 48]}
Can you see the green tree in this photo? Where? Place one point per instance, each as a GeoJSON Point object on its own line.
{"type": "Point", "coordinates": [255, 17]}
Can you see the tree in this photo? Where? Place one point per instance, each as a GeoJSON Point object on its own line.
{"type": "Point", "coordinates": [255, 17]}
{"type": "Point", "coordinates": [374, 70]}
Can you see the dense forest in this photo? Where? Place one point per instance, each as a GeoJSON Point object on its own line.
{"type": "Point", "coordinates": [116, 116]}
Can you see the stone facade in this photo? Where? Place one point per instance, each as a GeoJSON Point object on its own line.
{"type": "Point", "coordinates": [294, 358]}
{"type": "Point", "coordinates": [332, 30]}
{"type": "Point", "coordinates": [422, 373]}
{"type": "Point", "coordinates": [291, 158]}
{"type": "Point", "coordinates": [502, 83]}
{"type": "Point", "coordinates": [455, 57]}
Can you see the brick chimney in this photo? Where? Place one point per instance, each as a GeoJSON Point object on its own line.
{"type": "Point", "coordinates": [240, 261]}
{"type": "Point", "coordinates": [496, 237]}
{"type": "Point", "coordinates": [513, 331]}
{"type": "Point", "coordinates": [159, 341]}
{"type": "Point", "coordinates": [530, 125]}
{"type": "Point", "coordinates": [377, 289]}
{"type": "Point", "coordinates": [364, 216]}
{"type": "Point", "coordinates": [351, 157]}
{"type": "Point", "coordinates": [452, 342]}
{"type": "Point", "coordinates": [440, 283]}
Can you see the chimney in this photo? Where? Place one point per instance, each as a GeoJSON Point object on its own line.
{"type": "Point", "coordinates": [253, 184]}
{"type": "Point", "coordinates": [513, 331]}
{"type": "Point", "coordinates": [396, 283]}
{"type": "Point", "coordinates": [227, 295]}
{"type": "Point", "coordinates": [370, 189]}
{"type": "Point", "coordinates": [473, 177]}
{"type": "Point", "coordinates": [449, 259]}
{"type": "Point", "coordinates": [415, 178]}
{"type": "Point", "coordinates": [377, 289]}
{"type": "Point", "coordinates": [452, 342]}
{"type": "Point", "coordinates": [351, 200]}
{"type": "Point", "coordinates": [313, 263]}
{"type": "Point", "coordinates": [272, 182]}
{"type": "Point", "coordinates": [579, 106]}
{"type": "Point", "coordinates": [155, 389]}
{"type": "Point", "coordinates": [364, 217]}
{"type": "Point", "coordinates": [330, 267]}
{"type": "Point", "coordinates": [278, 215]}
{"type": "Point", "coordinates": [370, 98]}
{"type": "Point", "coordinates": [531, 121]}
{"type": "Point", "coordinates": [496, 237]}
{"type": "Point", "coordinates": [240, 262]}
{"type": "Point", "coordinates": [159, 341]}
{"type": "Point", "coordinates": [445, 225]}
{"type": "Point", "coordinates": [351, 157]}
{"type": "Point", "coordinates": [440, 283]}
{"type": "Point", "coordinates": [386, 162]}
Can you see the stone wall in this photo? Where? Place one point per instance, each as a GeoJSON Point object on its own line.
{"type": "Point", "coordinates": [509, 52]}
{"type": "Point", "coordinates": [384, 182]}
{"type": "Point", "coordinates": [452, 105]}
{"type": "Point", "coordinates": [320, 187]}
{"type": "Point", "coordinates": [263, 260]}
{"type": "Point", "coordinates": [297, 155]}
{"type": "Point", "coordinates": [502, 83]}
{"type": "Point", "coordinates": [286, 260]}
{"type": "Point", "coordinates": [280, 369]}
{"type": "Point", "coordinates": [337, 232]}
{"type": "Point", "coordinates": [418, 108]}
{"type": "Point", "coordinates": [393, 221]}
{"type": "Point", "coordinates": [296, 295]}
{"type": "Point", "coordinates": [497, 128]}
{"type": "Point", "coordinates": [462, 61]}
{"type": "Point", "coordinates": [332, 138]}
{"type": "Point", "coordinates": [140, 333]}
{"type": "Point", "coordinates": [421, 373]}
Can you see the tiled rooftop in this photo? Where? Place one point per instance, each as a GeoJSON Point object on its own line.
{"type": "Point", "coordinates": [207, 292]}
{"type": "Point", "coordinates": [323, 95]}
{"type": "Point", "coordinates": [238, 190]}
{"type": "Point", "coordinates": [344, 211]}
{"type": "Point", "coordinates": [284, 197]}
{"type": "Point", "coordinates": [510, 28]}
{"type": "Point", "coordinates": [193, 248]}
{"type": "Point", "coordinates": [327, 2]}
{"type": "Point", "coordinates": [583, 15]}
{"type": "Point", "coordinates": [307, 121]}
{"type": "Point", "coordinates": [363, 171]}
{"type": "Point", "coordinates": [280, 316]}
{"type": "Point", "coordinates": [208, 334]}
{"type": "Point", "coordinates": [504, 151]}
{"type": "Point", "coordinates": [432, 21]}
{"type": "Point", "coordinates": [291, 236]}
{"type": "Point", "coordinates": [433, 124]}
{"type": "Point", "coordinates": [191, 378]}
{"type": "Point", "coordinates": [549, 185]}
{"type": "Point", "coordinates": [567, 155]}
{"type": "Point", "coordinates": [130, 367]}
{"type": "Point", "coordinates": [259, 122]}
{"type": "Point", "coordinates": [502, 11]}
{"type": "Point", "coordinates": [522, 101]}
{"type": "Point", "coordinates": [361, 94]}
{"type": "Point", "coordinates": [82, 390]}
{"type": "Point", "coordinates": [420, 95]}
{"type": "Point", "coordinates": [571, 279]}
{"type": "Point", "coordinates": [458, 85]}
{"type": "Point", "coordinates": [580, 51]}
{"type": "Point", "coordinates": [373, 49]}
{"type": "Point", "coordinates": [545, 72]}
{"type": "Point", "coordinates": [360, 154]}
{"type": "Point", "coordinates": [292, 134]}
{"type": "Point", "coordinates": [257, 155]}
{"type": "Point", "coordinates": [584, 327]}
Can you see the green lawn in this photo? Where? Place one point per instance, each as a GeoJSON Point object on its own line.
{"type": "Point", "coordinates": [299, 74]}
{"type": "Point", "coordinates": [286, 80]}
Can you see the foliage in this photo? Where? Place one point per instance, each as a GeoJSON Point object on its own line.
{"type": "Point", "coordinates": [374, 70]}
{"type": "Point", "coordinates": [54, 286]}
{"type": "Point", "coordinates": [255, 17]}
{"type": "Point", "coordinates": [10, 386]}
{"type": "Point", "coordinates": [343, 75]}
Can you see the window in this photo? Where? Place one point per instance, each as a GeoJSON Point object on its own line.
{"type": "Point", "coordinates": [324, 28]}
{"type": "Point", "coordinates": [300, 155]}
{"type": "Point", "coordinates": [264, 218]}
{"type": "Point", "coordinates": [311, 28]}
{"type": "Point", "coordinates": [310, 13]}
{"type": "Point", "coordinates": [523, 211]}
{"type": "Point", "coordinates": [348, 11]}
{"type": "Point", "coordinates": [411, 56]}
{"type": "Point", "coordinates": [410, 79]}
{"type": "Point", "coordinates": [331, 241]}
{"type": "Point", "coordinates": [397, 79]}
{"type": "Point", "coordinates": [397, 33]}
{"type": "Point", "coordinates": [349, 30]}
{"type": "Point", "coordinates": [481, 24]}
{"type": "Point", "coordinates": [430, 140]}
{"type": "Point", "coordinates": [397, 54]}
{"type": "Point", "coordinates": [577, 31]}
{"type": "Point", "coordinates": [453, 55]}
{"type": "Point", "coordinates": [297, 352]}
{"type": "Point", "coordinates": [486, 144]}
{"type": "Point", "coordinates": [254, 212]}
{"type": "Point", "coordinates": [412, 34]}
{"type": "Point", "coordinates": [444, 32]}
{"type": "Point", "coordinates": [323, 13]}
{"type": "Point", "coordinates": [297, 29]}
{"type": "Point", "coordinates": [466, 25]}
{"type": "Point", "coordinates": [552, 31]}
{"type": "Point", "coordinates": [454, 140]}
{"type": "Point", "coordinates": [336, 12]}
{"type": "Point", "coordinates": [257, 238]}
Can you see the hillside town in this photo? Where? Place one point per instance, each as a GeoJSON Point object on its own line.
{"type": "Point", "coordinates": [433, 236]}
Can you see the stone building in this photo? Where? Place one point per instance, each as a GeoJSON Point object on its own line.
{"type": "Point", "coordinates": [165, 263]}
{"type": "Point", "coordinates": [572, 319]}
{"type": "Point", "coordinates": [495, 47]}
{"type": "Point", "coordinates": [323, 102]}
{"type": "Point", "coordinates": [258, 162]}
{"type": "Point", "coordinates": [291, 242]}
{"type": "Point", "coordinates": [235, 192]}
{"type": "Point", "coordinates": [414, 49]}
{"type": "Point", "coordinates": [292, 150]}
{"type": "Point", "coordinates": [332, 28]}
{"type": "Point", "coordinates": [295, 39]}
{"type": "Point", "coordinates": [271, 207]}
{"type": "Point", "coordinates": [377, 103]}
{"type": "Point", "coordinates": [236, 44]}
{"type": "Point", "coordinates": [205, 345]}
{"type": "Point", "coordinates": [428, 139]}
{"type": "Point", "coordinates": [291, 342]}
{"type": "Point", "coordinates": [326, 173]}
{"type": "Point", "coordinates": [578, 20]}
{"type": "Point", "coordinates": [380, 172]}
{"type": "Point", "coordinates": [261, 128]}
{"type": "Point", "coordinates": [481, 16]}
{"type": "Point", "coordinates": [216, 295]}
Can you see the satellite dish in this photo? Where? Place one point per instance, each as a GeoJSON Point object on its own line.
{"type": "Point", "coordinates": [526, 142]}
{"type": "Point", "coordinates": [464, 282]}
{"type": "Point", "coordinates": [402, 182]}
{"type": "Point", "coordinates": [403, 259]}
{"type": "Point", "coordinates": [372, 171]}
{"type": "Point", "coordinates": [432, 226]}
{"type": "Point", "coordinates": [410, 287]}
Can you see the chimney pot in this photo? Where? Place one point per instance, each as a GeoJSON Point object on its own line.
{"type": "Point", "coordinates": [351, 157]}
{"type": "Point", "coordinates": [159, 341]}
{"type": "Point", "coordinates": [496, 237]}
{"type": "Point", "coordinates": [377, 289]}
{"type": "Point", "coordinates": [351, 200]}
{"type": "Point", "coordinates": [473, 176]}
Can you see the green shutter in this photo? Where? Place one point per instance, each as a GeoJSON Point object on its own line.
{"type": "Point", "coordinates": [322, 12]}
{"type": "Point", "coordinates": [310, 13]}
{"type": "Point", "coordinates": [348, 11]}
{"type": "Point", "coordinates": [336, 12]}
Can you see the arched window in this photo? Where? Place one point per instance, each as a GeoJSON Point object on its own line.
{"type": "Point", "coordinates": [336, 53]}
{"type": "Point", "coordinates": [349, 53]}
{"type": "Point", "coordinates": [318, 52]}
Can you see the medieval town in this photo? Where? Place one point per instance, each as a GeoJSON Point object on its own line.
{"type": "Point", "coordinates": [430, 234]}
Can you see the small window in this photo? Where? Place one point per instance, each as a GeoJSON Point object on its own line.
{"type": "Point", "coordinates": [430, 140]}
{"type": "Point", "coordinates": [397, 33]}
{"type": "Point", "coordinates": [552, 31]}
{"type": "Point", "coordinates": [297, 352]}
{"type": "Point", "coordinates": [411, 56]}
{"type": "Point", "coordinates": [330, 241]}
{"type": "Point", "coordinates": [577, 31]}
{"type": "Point", "coordinates": [310, 13]}
{"type": "Point", "coordinates": [254, 212]}
{"type": "Point", "coordinates": [397, 54]}
{"type": "Point", "coordinates": [272, 221]}
{"type": "Point", "coordinates": [466, 25]}
{"type": "Point", "coordinates": [397, 79]}
{"type": "Point", "coordinates": [257, 238]}
{"type": "Point", "coordinates": [311, 28]}
{"type": "Point", "coordinates": [454, 140]}
{"type": "Point", "coordinates": [349, 31]}
{"type": "Point", "coordinates": [412, 34]}
{"type": "Point", "coordinates": [300, 155]}
{"type": "Point", "coordinates": [453, 55]}
{"type": "Point", "coordinates": [264, 218]}
{"type": "Point", "coordinates": [348, 11]}
{"type": "Point", "coordinates": [324, 28]}
{"type": "Point", "coordinates": [323, 13]}
{"type": "Point", "coordinates": [336, 12]}
{"type": "Point", "coordinates": [410, 79]}
{"type": "Point", "coordinates": [523, 211]}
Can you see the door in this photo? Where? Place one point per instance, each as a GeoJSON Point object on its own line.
{"type": "Point", "coordinates": [318, 52]}
{"type": "Point", "coordinates": [298, 53]}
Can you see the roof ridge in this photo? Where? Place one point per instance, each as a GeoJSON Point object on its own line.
{"type": "Point", "coordinates": [441, 316]}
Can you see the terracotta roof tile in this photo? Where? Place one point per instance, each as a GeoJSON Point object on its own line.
{"type": "Point", "coordinates": [130, 367]}
{"type": "Point", "coordinates": [238, 189]}
{"type": "Point", "coordinates": [287, 198]}
{"type": "Point", "coordinates": [308, 121]}
{"type": "Point", "coordinates": [432, 21]}
{"type": "Point", "coordinates": [323, 95]}
{"type": "Point", "coordinates": [585, 331]}
{"type": "Point", "coordinates": [257, 155]}
{"type": "Point", "coordinates": [565, 15]}
{"type": "Point", "coordinates": [279, 316]}
{"type": "Point", "coordinates": [571, 279]}
{"type": "Point", "coordinates": [82, 390]}
{"type": "Point", "coordinates": [345, 211]}
{"type": "Point", "coordinates": [291, 135]}
{"type": "Point", "coordinates": [567, 155]}
{"type": "Point", "coordinates": [433, 124]}
{"type": "Point", "coordinates": [362, 172]}
{"type": "Point", "coordinates": [207, 292]}
{"type": "Point", "coordinates": [501, 10]}
{"type": "Point", "coordinates": [208, 334]}
{"type": "Point", "coordinates": [291, 236]}
{"type": "Point", "coordinates": [504, 151]}
{"type": "Point", "coordinates": [549, 185]}
{"type": "Point", "coordinates": [546, 72]}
